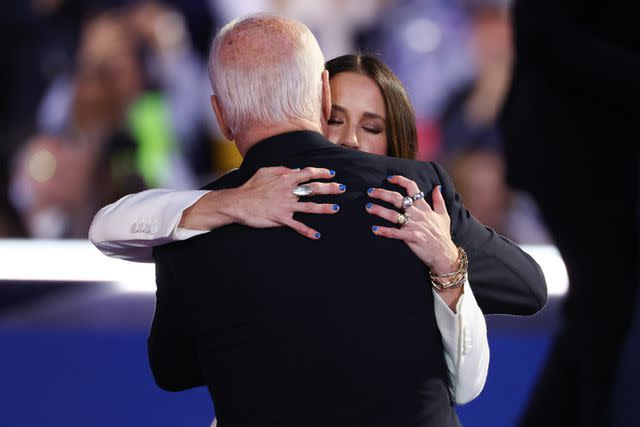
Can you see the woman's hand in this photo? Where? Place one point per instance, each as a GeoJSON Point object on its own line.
{"type": "Point", "coordinates": [428, 232]}
{"type": "Point", "coordinates": [264, 201]}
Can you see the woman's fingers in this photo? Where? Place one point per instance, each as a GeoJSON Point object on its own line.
{"type": "Point", "coordinates": [302, 229]}
{"type": "Point", "coordinates": [439, 206]}
{"type": "Point", "coordinates": [392, 233]}
{"type": "Point", "coordinates": [297, 175]}
{"type": "Point", "coordinates": [410, 186]}
{"type": "Point", "coordinates": [396, 198]}
{"type": "Point", "coordinates": [384, 213]}
{"type": "Point", "coordinates": [316, 208]}
{"type": "Point", "coordinates": [392, 197]}
{"type": "Point", "coordinates": [286, 217]}
{"type": "Point", "coordinates": [313, 208]}
{"type": "Point", "coordinates": [318, 188]}
{"type": "Point", "coordinates": [406, 183]}
{"type": "Point", "coordinates": [310, 173]}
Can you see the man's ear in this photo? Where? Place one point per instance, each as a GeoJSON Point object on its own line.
{"type": "Point", "coordinates": [326, 97]}
{"type": "Point", "coordinates": [222, 122]}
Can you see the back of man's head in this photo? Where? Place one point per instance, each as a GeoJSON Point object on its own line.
{"type": "Point", "coordinates": [266, 70]}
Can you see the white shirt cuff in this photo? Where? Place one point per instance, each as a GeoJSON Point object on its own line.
{"type": "Point", "coordinates": [185, 233]}
{"type": "Point", "coordinates": [184, 199]}
{"type": "Point", "coordinates": [130, 227]}
{"type": "Point", "coordinates": [466, 348]}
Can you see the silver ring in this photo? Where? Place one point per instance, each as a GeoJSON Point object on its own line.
{"type": "Point", "coordinates": [403, 219]}
{"type": "Point", "coordinates": [407, 202]}
{"type": "Point", "coordinates": [301, 190]}
{"type": "Point", "coordinates": [417, 196]}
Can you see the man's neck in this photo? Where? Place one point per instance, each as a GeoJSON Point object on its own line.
{"type": "Point", "coordinates": [254, 134]}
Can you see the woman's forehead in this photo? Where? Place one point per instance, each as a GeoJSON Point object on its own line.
{"type": "Point", "coordinates": [353, 90]}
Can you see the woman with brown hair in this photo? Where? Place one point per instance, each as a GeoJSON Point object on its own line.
{"type": "Point", "coordinates": [370, 112]}
{"type": "Point", "coordinates": [359, 73]}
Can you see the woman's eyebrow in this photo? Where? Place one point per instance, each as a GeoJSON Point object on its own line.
{"type": "Point", "coordinates": [373, 116]}
{"type": "Point", "coordinates": [367, 115]}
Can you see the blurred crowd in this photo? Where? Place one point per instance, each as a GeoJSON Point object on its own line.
{"type": "Point", "coordinates": [102, 98]}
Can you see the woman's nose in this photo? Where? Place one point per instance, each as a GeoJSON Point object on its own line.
{"type": "Point", "coordinates": [349, 139]}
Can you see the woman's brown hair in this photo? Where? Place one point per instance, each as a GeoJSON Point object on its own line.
{"type": "Point", "coordinates": [402, 136]}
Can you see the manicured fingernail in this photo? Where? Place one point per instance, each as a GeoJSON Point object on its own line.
{"type": "Point", "coordinates": [332, 172]}
{"type": "Point", "coordinates": [317, 235]}
{"type": "Point", "coordinates": [374, 228]}
{"type": "Point", "coordinates": [440, 188]}
{"type": "Point", "coordinates": [342, 187]}
{"type": "Point", "coordinates": [335, 207]}
{"type": "Point", "coordinates": [369, 205]}
{"type": "Point", "coordinates": [370, 190]}
{"type": "Point", "coordinates": [390, 177]}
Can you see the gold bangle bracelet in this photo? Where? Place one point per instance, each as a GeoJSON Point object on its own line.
{"type": "Point", "coordinates": [458, 277]}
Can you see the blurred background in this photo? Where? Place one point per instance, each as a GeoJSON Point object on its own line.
{"type": "Point", "coordinates": [101, 98]}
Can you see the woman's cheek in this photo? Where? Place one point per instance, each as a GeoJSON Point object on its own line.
{"type": "Point", "coordinates": [332, 134]}
{"type": "Point", "coordinates": [374, 144]}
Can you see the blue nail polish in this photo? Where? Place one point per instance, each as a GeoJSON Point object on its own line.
{"type": "Point", "coordinates": [332, 172]}
{"type": "Point", "coordinates": [370, 190]}
{"type": "Point", "coordinates": [440, 188]}
{"type": "Point", "coordinates": [343, 187]}
{"type": "Point", "coordinates": [317, 235]}
{"type": "Point", "coordinates": [390, 177]}
{"type": "Point", "coordinates": [374, 228]}
{"type": "Point", "coordinates": [335, 207]}
{"type": "Point", "coordinates": [369, 205]}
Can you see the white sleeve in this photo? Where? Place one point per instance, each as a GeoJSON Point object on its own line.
{"type": "Point", "coordinates": [130, 227]}
{"type": "Point", "coordinates": [466, 348]}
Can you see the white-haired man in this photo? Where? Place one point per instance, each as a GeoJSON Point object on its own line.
{"type": "Point", "coordinates": [278, 339]}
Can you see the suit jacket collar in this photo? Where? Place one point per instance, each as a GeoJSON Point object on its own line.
{"type": "Point", "coordinates": [274, 150]}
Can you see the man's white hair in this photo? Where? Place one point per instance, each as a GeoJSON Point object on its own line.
{"type": "Point", "coordinates": [271, 75]}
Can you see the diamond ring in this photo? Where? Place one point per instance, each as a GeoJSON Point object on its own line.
{"type": "Point", "coordinates": [417, 196]}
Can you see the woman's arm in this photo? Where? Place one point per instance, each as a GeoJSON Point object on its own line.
{"type": "Point", "coordinates": [505, 279]}
{"type": "Point", "coordinates": [460, 320]}
{"type": "Point", "coordinates": [130, 227]}
{"type": "Point", "coordinates": [466, 347]}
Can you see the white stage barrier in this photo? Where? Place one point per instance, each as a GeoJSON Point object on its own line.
{"type": "Point", "coordinates": [80, 261]}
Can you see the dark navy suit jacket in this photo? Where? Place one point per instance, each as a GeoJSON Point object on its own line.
{"type": "Point", "coordinates": [340, 331]}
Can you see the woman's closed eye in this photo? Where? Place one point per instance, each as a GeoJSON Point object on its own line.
{"type": "Point", "coordinates": [334, 121]}
{"type": "Point", "coordinates": [373, 129]}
